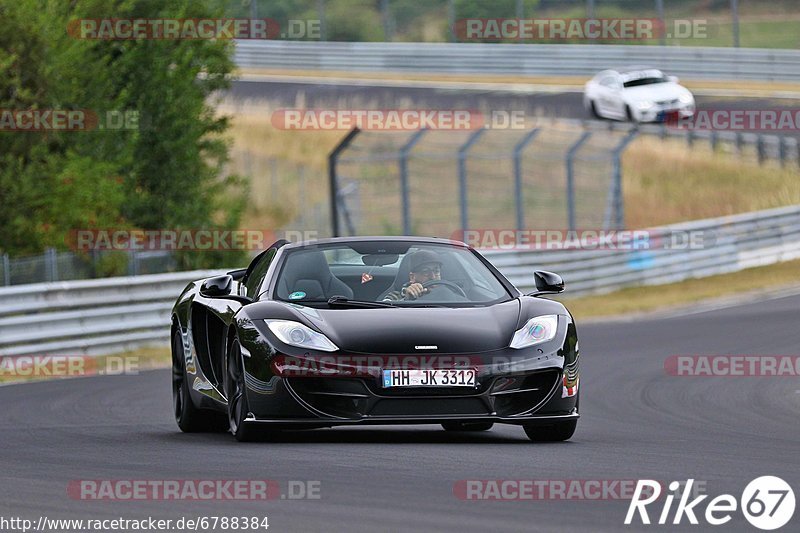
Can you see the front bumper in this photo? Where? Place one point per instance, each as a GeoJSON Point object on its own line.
{"type": "Point", "coordinates": [539, 420]}
{"type": "Point", "coordinates": [666, 113]}
{"type": "Point", "coordinates": [531, 397]}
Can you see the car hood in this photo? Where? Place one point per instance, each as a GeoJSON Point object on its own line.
{"type": "Point", "coordinates": [401, 330]}
{"type": "Point", "coordinates": [654, 93]}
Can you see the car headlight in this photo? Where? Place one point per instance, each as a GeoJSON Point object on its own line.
{"type": "Point", "coordinates": [296, 334]}
{"type": "Point", "coordinates": [535, 331]}
{"type": "Point", "coordinates": [644, 106]}
{"type": "Point", "coordinates": [686, 98]}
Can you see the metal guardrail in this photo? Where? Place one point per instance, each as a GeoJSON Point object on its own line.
{"type": "Point", "coordinates": [90, 316]}
{"type": "Point", "coordinates": [519, 59]}
{"type": "Point", "coordinates": [731, 243]}
{"type": "Point", "coordinates": [114, 314]}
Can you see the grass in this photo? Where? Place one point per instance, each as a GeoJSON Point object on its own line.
{"type": "Point", "coordinates": [664, 180]}
{"type": "Point", "coordinates": [664, 183]}
{"type": "Point", "coordinates": [274, 160]}
{"type": "Point", "coordinates": [70, 366]}
{"type": "Point", "coordinates": [636, 300]}
{"type": "Point", "coordinates": [784, 34]}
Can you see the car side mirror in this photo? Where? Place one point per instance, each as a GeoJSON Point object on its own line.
{"type": "Point", "coordinates": [217, 286]}
{"type": "Point", "coordinates": [547, 282]}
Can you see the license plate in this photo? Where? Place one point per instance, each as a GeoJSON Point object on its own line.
{"type": "Point", "coordinates": [429, 378]}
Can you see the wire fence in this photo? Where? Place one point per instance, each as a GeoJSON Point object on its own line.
{"type": "Point", "coordinates": [53, 265]}
{"type": "Point", "coordinates": [556, 175]}
{"type": "Point", "coordinates": [442, 182]}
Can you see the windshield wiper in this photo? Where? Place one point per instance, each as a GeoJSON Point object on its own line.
{"type": "Point", "coordinates": [341, 301]}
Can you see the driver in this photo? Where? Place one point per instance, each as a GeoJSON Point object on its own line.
{"type": "Point", "coordinates": [424, 266]}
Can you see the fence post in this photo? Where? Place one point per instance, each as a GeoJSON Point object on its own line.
{"type": "Point", "coordinates": [386, 20]}
{"type": "Point", "coordinates": [405, 150]}
{"type": "Point", "coordinates": [301, 188]}
{"type": "Point", "coordinates": [782, 149]}
{"type": "Point", "coordinates": [571, 177]}
{"type": "Point", "coordinates": [518, 192]}
{"type": "Point", "coordinates": [334, 180]}
{"type": "Point", "coordinates": [6, 270]}
{"type": "Point", "coordinates": [589, 9]}
{"type": "Point", "coordinates": [797, 150]}
{"type": "Point", "coordinates": [615, 197]}
{"type": "Point", "coordinates": [50, 264]}
{"type": "Point", "coordinates": [321, 14]}
{"type": "Point", "coordinates": [762, 149]}
{"type": "Point", "coordinates": [462, 175]}
{"type": "Point", "coordinates": [133, 267]}
{"type": "Point", "coordinates": [735, 17]}
{"type": "Point", "coordinates": [662, 22]}
{"type": "Point", "coordinates": [714, 140]}
{"type": "Point", "coordinates": [451, 20]}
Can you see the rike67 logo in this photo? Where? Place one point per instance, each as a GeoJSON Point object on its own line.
{"type": "Point", "coordinates": [767, 503]}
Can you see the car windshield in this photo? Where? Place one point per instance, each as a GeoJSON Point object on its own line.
{"type": "Point", "coordinates": [645, 81]}
{"type": "Point", "coordinates": [387, 272]}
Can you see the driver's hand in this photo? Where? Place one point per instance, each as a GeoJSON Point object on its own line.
{"type": "Point", "coordinates": [414, 291]}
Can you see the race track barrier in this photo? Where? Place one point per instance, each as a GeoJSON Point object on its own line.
{"type": "Point", "coordinates": [116, 314]}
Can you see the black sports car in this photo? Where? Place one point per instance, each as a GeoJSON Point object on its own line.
{"type": "Point", "coordinates": [373, 330]}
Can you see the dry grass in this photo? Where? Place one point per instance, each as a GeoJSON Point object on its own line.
{"type": "Point", "coordinates": [272, 159]}
{"type": "Point", "coordinates": [637, 300]}
{"type": "Point", "coordinates": [665, 182]}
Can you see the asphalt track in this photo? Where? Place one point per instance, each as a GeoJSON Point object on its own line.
{"type": "Point", "coordinates": [637, 422]}
{"type": "Point", "coordinates": [546, 103]}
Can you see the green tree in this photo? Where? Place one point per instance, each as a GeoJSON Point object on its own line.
{"type": "Point", "coordinates": [163, 175]}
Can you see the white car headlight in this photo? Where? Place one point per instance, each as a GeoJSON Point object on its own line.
{"type": "Point", "coordinates": [686, 98]}
{"type": "Point", "coordinates": [645, 105]}
{"type": "Point", "coordinates": [296, 334]}
{"type": "Point", "coordinates": [535, 331]}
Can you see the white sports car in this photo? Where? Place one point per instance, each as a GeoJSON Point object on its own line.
{"type": "Point", "coordinates": [637, 95]}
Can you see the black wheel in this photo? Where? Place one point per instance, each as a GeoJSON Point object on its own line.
{"type": "Point", "coordinates": [629, 114]}
{"type": "Point", "coordinates": [237, 397]}
{"type": "Point", "coordinates": [559, 431]}
{"type": "Point", "coordinates": [467, 426]}
{"type": "Point", "coordinates": [593, 109]}
{"type": "Point", "coordinates": [188, 417]}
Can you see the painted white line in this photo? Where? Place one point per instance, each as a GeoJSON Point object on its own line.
{"type": "Point", "coordinates": [516, 87]}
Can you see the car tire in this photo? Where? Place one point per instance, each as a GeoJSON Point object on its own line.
{"type": "Point", "coordinates": [629, 115]}
{"type": "Point", "coordinates": [189, 418]}
{"type": "Point", "coordinates": [236, 392]}
{"type": "Point", "coordinates": [559, 431]}
{"type": "Point", "coordinates": [593, 110]}
{"type": "Point", "coordinates": [467, 426]}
